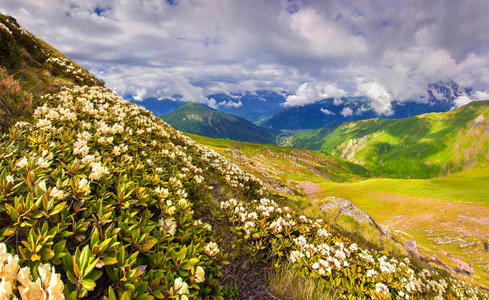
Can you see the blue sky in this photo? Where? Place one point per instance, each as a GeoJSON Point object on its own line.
{"type": "Point", "coordinates": [384, 50]}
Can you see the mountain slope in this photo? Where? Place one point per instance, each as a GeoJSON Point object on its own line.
{"type": "Point", "coordinates": [37, 66]}
{"type": "Point", "coordinates": [30, 68]}
{"type": "Point", "coordinates": [201, 120]}
{"type": "Point", "coordinates": [424, 146]}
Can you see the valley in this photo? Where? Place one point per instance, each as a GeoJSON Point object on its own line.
{"type": "Point", "coordinates": [447, 216]}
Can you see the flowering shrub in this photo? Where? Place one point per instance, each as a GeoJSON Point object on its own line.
{"type": "Point", "coordinates": [312, 247]}
{"type": "Point", "coordinates": [105, 192]}
{"type": "Point", "coordinates": [63, 66]}
{"type": "Point", "coordinates": [100, 189]}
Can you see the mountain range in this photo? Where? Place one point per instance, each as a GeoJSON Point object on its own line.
{"type": "Point", "coordinates": [266, 108]}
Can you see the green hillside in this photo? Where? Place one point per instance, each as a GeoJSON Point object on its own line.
{"type": "Point", "coordinates": [29, 68]}
{"type": "Point", "coordinates": [424, 146]}
{"type": "Point", "coordinates": [201, 120]}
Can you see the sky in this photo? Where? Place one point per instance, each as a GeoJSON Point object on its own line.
{"type": "Point", "coordinates": [383, 50]}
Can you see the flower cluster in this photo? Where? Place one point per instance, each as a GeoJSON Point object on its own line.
{"type": "Point", "coordinates": [317, 250]}
{"type": "Point", "coordinates": [100, 187]}
{"type": "Point", "coordinates": [98, 184]}
{"type": "Point", "coordinates": [66, 67]}
{"type": "Point", "coordinates": [18, 282]}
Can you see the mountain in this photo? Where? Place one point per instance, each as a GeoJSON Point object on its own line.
{"type": "Point", "coordinates": [159, 107]}
{"type": "Point", "coordinates": [37, 66]}
{"type": "Point", "coordinates": [440, 98]}
{"type": "Point", "coordinates": [316, 115]}
{"type": "Point", "coordinates": [29, 68]}
{"type": "Point", "coordinates": [202, 120]}
{"type": "Point", "coordinates": [254, 106]}
{"type": "Point", "coordinates": [428, 145]}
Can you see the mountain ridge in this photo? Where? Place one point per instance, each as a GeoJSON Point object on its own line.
{"type": "Point", "coordinates": [203, 120]}
{"type": "Point", "coordinates": [423, 146]}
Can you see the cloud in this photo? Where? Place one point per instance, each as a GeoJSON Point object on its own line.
{"type": "Point", "coordinates": [346, 112]}
{"type": "Point", "coordinates": [379, 98]}
{"type": "Point", "coordinates": [230, 104]}
{"type": "Point", "coordinates": [311, 92]}
{"type": "Point", "coordinates": [326, 111]}
{"type": "Point", "coordinates": [196, 48]}
{"type": "Point", "coordinates": [475, 96]}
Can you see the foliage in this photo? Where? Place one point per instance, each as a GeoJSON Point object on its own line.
{"type": "Point", "coordinates": [97, 188]}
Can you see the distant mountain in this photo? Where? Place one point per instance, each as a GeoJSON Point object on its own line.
{"type": "Point", "coordinates": [202, 120]}
{"type": "Point", "coordinates": [440, 98]}
{"type": "Point", "coordinates": [319, 114]}
{"type": "Point", "coordinates": [159, 107]}
{"type": "Point", "coordinates": [423, 146]}
{"type": "Point", "coordinates": [255, 107]}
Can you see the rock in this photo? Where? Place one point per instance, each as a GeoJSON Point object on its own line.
{"type": "Point", "coordinates": [412, 248]}
{"type": "Point", "coordinates": [462, 266]}
{"type": "Point", "coordinates": [486, 245]}
{"type": "Point", "coordinates": [345, 207]}
{"type": "Point", "coordinates": [438, 261]}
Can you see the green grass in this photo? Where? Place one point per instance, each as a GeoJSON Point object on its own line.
{"type": "Point", "coordinates": [424, 146]}
{"type": "Point", "coordinates": [467, 186]}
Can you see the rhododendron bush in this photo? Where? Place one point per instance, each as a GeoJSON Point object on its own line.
{"type": "Point", "coordinates": [104, 194]}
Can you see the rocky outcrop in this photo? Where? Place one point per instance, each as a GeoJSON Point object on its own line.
{"type": "Point", "coordinates": [342, 206]}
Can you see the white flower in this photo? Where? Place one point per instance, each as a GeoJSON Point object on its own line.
{"type": "Point", "coordinates": [21, 163]}
{"type": "Point", "coordinates": [9, 179]}
{"type": "Point", "coordinates": [97, 171]}
{"type": "Point", "coordinates": [42, 163]}
{"type": "Point", "coordinates": [180, 286]}
{"type": "Point", "coordinates": [42, 186]}
{"type": "Point", "coordinates": [57, 194]}
{"type": "Point", "coordinates": [295, 256]}
{"type": "Point", "coordinates": [381, 288]}
{"type": "Point", "coordinates": [170, 226]}
{"type": "Point", "coordinates": [211, 249]}
{"type": "Point", "coordinates": [84, 185]}
{"type": "Point", "coordinates": [371, 273]}
{"type": "Point", "coordinates": [199, 275]}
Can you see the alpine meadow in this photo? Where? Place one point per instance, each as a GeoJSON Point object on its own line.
{"type": "Point", "coordinates": [244, 150]}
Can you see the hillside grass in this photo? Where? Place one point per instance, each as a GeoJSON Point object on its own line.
{"type": "Point", "coordinates": [424, 146]}
{"type": "Point", "coordinates": [446, 216]}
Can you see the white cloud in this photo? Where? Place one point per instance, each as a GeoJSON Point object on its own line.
{"type": "Point", "coordinates": [230, 104]}
{"type": "Point", "coordinates": [481, 95]}
{"type": "Point", "coordinates": [346, 112]}
{"type": "Point", "coordinates": [379, 98]}
{"type": "Point", "coordinates": [311, 92]}
{"type": "Point", "coordinates": [326, 111]}
{"type": "Point", "coordinates": [462, 100]}
{"type": "Point", "coordinates": [201, 47]}
{"type": "Point", "coordinates": [475, 96]}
